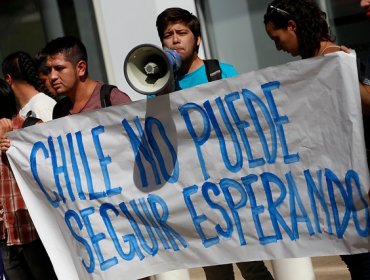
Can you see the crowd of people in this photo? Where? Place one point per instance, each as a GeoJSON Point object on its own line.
{"type": "Point", "coordinates": [56, 83]}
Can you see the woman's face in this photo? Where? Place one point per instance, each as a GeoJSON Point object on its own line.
{"type": "Point", "coordinates": [365, 4]}
{"type": "Point", "coordinates": [285, 38]}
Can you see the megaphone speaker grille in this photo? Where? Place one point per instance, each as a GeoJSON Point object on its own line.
{"type": "Point", "coordinates": [147, 69]}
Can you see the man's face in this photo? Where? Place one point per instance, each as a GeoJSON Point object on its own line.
{"type": "Point", "coordinates": [365, 4]}
{"type": "Point", "coordinates": [63, 74]}
{"type": "Point", "coordinates": [179, 37]}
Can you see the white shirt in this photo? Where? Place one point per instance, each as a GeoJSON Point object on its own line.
{"type": "Point", "coordinates": [41, 105]}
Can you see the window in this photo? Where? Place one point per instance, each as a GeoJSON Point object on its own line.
{"type": "Point", "coordinates": [28, 25]}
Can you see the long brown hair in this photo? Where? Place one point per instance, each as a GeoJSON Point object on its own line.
{"type": "Point", "coordinates": [312, 27]}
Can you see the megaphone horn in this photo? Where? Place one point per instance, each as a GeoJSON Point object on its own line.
{"type": "Point", "coordinates": [150, 70]}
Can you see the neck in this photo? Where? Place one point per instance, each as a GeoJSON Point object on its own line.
{"type": "Point", "coordinates": [81, 95]}
{"type": "Point", "coordinates": [327, 47]}
{"type": "Point", "coordinates": [191, 65]}
{"type": "Point", "coordinates": [23, 92]}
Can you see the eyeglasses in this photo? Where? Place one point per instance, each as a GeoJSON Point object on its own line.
{"type": "Point", "coordinates": [281, 11]}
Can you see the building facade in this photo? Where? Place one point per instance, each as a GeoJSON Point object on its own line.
{"type": "Point", "coordinates": [233, 31]}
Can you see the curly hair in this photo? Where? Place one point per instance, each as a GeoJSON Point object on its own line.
{"type": "Point", "coordinates": [311, 25]}
{"type": "Point", "coordinates": [8, 105]}
{"type": "Point", "coordinates": [21, 67]}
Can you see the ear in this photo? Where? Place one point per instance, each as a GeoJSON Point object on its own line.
{"type": "Point", "coordinates": [199, 40]}
{"type": "Point", "coordinates": [292, 25]}
{"type": "Point", "coordinates": [8, 79]}
{"type": "Point", "coordinates": [81, 68]}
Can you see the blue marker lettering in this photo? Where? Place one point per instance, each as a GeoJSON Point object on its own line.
{"type": "Point", "coordinates": [33, 164]}
{"type": "Point", "coordinates": [75, 169]}
{"type": "Point", "coordinates": [340, 226]}
{"type": "Point", "coordinates": [154, 224]}
{"type": "Point", "coordinates": [352, 176]}
{"type": "Point", "coordinates": [104, 161]}
{"type": "Point", "coordinates": [279, 120]}
{"type": "Point", "coordinates": [150, 250]}
{"type": "Point", "coordinates": [208, 186]}
{"type": "Point", "coordinates": [237, 151]}
{"type": "Point", "coordinates": [59, 169]}
{"type": "Point", "coordinates": [85, 163]}
{"type": "Point", "coordinates": [276, 218]}
{"type": "Point", "coordinates": [257, 210]}
{"type": "Point", "coordinates": [162, 218]}
{"type": "Point", "coordinates": [104, 208]}
{"type": "Point", "coordinates": [140, 144]}
{"type": "Point", "coordinates": [197, 219]}
{"type": "Point", "coordinates": [226, 185]}
{"type": "Point", "coordinates": [318, 193]}
{"type": "Point", "coordinates": [95, 239]}
{"type": "Point", "coordinates": [149, 124]}
{"type": "Point", "coordinates": [242, 125]}
{"type": "Point", "coordinates": [68, 216]}
{"type": "Point", "coordinates": [295, 198]}
{"type": "Point", "coordinates": [199, 140]}
{"type": "Point", "coordinates": [250, 97]}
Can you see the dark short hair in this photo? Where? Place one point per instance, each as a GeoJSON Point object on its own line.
{"type": "Point", "coordinates": [8, 105]}
{"type": "Point", "coordinates": [22, 67]}
{"type": "Point", "coordinates": [175, 15]}
{"type": "Point", "coordinates": [40, 60]}
{"type": "Point", "coordinates": [310, 20]}
{"type": "Point", "coordinates": [72, 48]}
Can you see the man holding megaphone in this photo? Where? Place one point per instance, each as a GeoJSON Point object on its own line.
{"type": "Point", "coordinates": [179, 30]}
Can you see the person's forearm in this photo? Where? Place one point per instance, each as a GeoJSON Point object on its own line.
{"type": "Point", "coordinates": [365, 98]}
{"type": "Point", "coordinates": [5, 126]}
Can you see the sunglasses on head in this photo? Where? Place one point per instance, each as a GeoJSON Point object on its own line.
{"type": "Point", "coordinates": [278, 10]}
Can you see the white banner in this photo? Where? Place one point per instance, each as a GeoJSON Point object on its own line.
{"type": "Point", "coordinates": [269, 164]}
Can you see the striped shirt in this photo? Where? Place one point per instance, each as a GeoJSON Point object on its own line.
{"type": "Point", "coordinates": [16, 226]}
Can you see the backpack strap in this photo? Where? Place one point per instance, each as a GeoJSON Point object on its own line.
{"type": "Point", "coordinates": [105, 92]}
{"type": "Point", "coordinates": [64, 105]}
{"type": "Point", "coordinates": [213, 69]}
{"type": "Point", "coordinates": [30, 121]}
{"type": "Point", "coordinates": [62, 108]}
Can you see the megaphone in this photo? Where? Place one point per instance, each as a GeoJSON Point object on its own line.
{"type": "Point", "coordinates": [150, 70]}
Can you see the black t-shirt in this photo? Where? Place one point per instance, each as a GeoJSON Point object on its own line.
{"type": "Point", "coordinates": [364, 77]}
{"type": "Point", "coordinates": [364, 70]}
